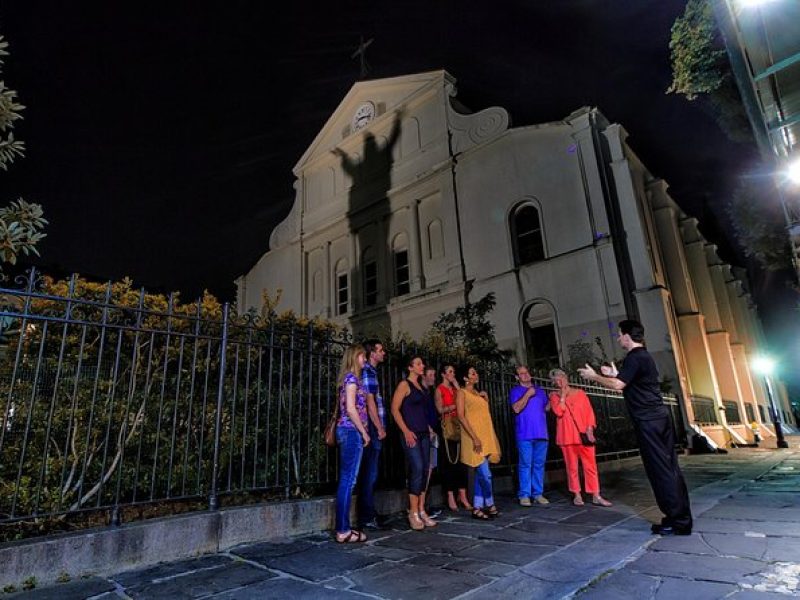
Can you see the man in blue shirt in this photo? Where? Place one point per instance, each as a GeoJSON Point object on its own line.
{"type": "Point", "coordinates": [376, 427]}
{"type": "Point", "coordinates": [529, 403]}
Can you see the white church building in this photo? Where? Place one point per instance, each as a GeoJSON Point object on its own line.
{"type": "Point", "coordinates": [409, 205]}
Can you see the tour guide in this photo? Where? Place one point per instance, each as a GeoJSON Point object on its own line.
{"type": "Point", "coordinates": [638, 380]}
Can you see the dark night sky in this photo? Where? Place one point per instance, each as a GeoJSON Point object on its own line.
{"type": "Point", "coordinates": [161, 136]}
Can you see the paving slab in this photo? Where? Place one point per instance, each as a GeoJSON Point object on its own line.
{"type": "Point", "coordinates": [200, 584]}
{"type": "Point", "coordinates": [428, 542]}
{"type": "Point", "coordinates": [703, 568]}
{"type": "Point", "coordinates": [415, 581]}
{"type": "Point", "coordinates": [285, 588]}
{"type": "Point", "coordinates": [166, 570]}
{"type": "Point", "coordinates": [622, 585]}
{"type": "Point", "coordinates": [317, 562]}
{"type": "Point", "coordinates": [507, 552]}
{"type": "Point", "coordinates": [73, 590]}
{"type": "Point", "coordinates": [706, 524]}
{"type": "Point", "coordinates": [521, 586]}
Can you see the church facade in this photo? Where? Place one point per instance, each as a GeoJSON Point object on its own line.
{"type": "Point", "coordinates": [408, 205]}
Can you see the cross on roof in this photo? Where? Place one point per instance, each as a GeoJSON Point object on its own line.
{"type": "Point", "coordinates": [362, 55]}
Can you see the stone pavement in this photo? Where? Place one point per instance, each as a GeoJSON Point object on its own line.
{"type": "Point", "coordinates": [746, 544]}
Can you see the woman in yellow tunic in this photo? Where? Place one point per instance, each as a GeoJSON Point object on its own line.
{"type": "Point", "coordinates": [479, 445]}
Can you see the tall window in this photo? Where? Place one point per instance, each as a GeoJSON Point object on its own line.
{"type": "Point", "coordinates": [402, 277]}
{"type": "Point", "coordinates": [341, 293]}
{"type": "Point", "coordinates": [370, 269]}
{"type": "Point", "coordinates": [342, 289]}
{"type": "Point", "coordinates": [526, 232]}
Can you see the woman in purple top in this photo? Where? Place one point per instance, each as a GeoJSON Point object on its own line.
{"type": "Point", "coordinates": [409, 409]}
{"type": "Point", "coordinates": [351, 436]}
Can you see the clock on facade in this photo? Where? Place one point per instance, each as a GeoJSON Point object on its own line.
{"type": "Point", "coordinates": [363, 115]}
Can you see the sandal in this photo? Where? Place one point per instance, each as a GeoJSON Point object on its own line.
{"type": "Point", "coordinates": [353, 537]}
{"type": "Point", "coordinates": [477, 513]}
{"type": "Point", "coordinates": [426, 520]}
{"type": "Point", "coordinates": [600, 501]}
{"type": "Point", "coordinates": [578, 501]}
{"type": "Point", "coordinates": [492, 511]}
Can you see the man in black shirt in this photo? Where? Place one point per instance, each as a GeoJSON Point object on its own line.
{"type": "Point", "coordinates": [638, 380]}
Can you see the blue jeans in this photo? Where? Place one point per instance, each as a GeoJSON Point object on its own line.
{"type": "Point", "coordinates": [418, 458]}
{"type": "Point", "coordinates": [368, 477]}
{"type": "Point", "coordinates": [350, 448]}
{"type": "Point", "coordinates": [532, 456]}
{"type": "Point", "coordinates": [483, 486]}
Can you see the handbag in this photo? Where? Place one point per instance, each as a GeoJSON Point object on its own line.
{"type": "Point", "coordinates": [585, 441]}
{"type": "Point", "coordinates": [451, 428]}
{"type": "Point", "coordinates": [330, 428]}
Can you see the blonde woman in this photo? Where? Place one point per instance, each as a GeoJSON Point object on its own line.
{"type": "Point", "coordinates": [479, 445]}
{"type": "Point", "coordinates": [351, 437]}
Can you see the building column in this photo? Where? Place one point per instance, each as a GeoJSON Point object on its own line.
{"type": "Point", "coordinates": [354, 272]}
{"type": "Point", "coordinates": [414, 249]}
{"type": "Point", "coordinates": [328, 281]}
{"type": "Point", "coordinates": [698, 357]}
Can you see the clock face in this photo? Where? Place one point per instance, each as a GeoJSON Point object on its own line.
{"type": "Point", "coordinates": [363, 115]}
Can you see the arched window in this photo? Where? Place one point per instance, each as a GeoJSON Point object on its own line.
{"type": "Point", "coordinates": [402, 272]}
{"type": "Point", "coordinates": [541, 337]}
{"type": "Point", "coordinates": [369, 269]}
{"type": "Point", "coordinates": [341, 281]}
{"type": "Point", "coordinates": [526, 233]}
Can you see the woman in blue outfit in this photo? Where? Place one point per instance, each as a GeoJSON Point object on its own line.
{"type": "Point", "coordinates": [351, 436]}
{"type": "Point", "coordinates": [409, 409]}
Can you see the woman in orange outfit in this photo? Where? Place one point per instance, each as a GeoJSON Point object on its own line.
{"type": "Point", "coordinates": [574, 415]}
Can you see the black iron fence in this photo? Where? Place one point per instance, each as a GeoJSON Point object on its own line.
{"type": "Point", "coordinates": [115, 398]}
{"type": "Point", "coordinates": [732, 416]}
{"type": "Point", "coordinates": [705, 410]}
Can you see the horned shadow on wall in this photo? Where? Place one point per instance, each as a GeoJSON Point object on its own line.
{"type": "Point", "coordinates": [380, 269]}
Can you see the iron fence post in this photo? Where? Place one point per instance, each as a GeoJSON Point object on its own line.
{"type": "Point", "coordinates": [213, 500]}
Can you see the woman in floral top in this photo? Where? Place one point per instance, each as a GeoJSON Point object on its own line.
{"type": "Point", "coordinates": [351, 436]}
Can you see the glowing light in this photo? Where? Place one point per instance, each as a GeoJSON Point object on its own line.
{"type": "Point", "coordinates": [763, 364]}
{"type": "Point", "coordinates": [793, 172]}
{"type": "Point", "coordinates": [753, 3]}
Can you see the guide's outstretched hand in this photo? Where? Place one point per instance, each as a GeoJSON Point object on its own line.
{"type": "Point", "coordinates": [587, 372]}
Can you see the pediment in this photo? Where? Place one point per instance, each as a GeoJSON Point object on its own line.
{"type": "Point", "coordinates": [385, 95]}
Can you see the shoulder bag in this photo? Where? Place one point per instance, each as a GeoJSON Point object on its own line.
{"type": "Point", "coordinates": [585, 441]}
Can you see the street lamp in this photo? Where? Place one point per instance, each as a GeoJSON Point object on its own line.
{"type": "Point", "coordinates": [765, 366]}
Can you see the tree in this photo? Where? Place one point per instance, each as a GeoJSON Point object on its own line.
{"type": "Point", "coordinates": [700, 69]}
{"type": "Point", "coordinates": [468, 331]}
{"type": "Point", "coordinates": [21, 223]}
{"type": "Point", "coordinates": [759, 226]}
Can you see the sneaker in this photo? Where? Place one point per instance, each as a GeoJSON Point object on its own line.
{"type": "Point", "coordinates": [541, 500]}
{"type": "Point", "coordinates": [525, 502]}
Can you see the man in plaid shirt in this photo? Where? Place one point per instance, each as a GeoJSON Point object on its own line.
{"type": "Point", "coordinates": [377, 431]}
